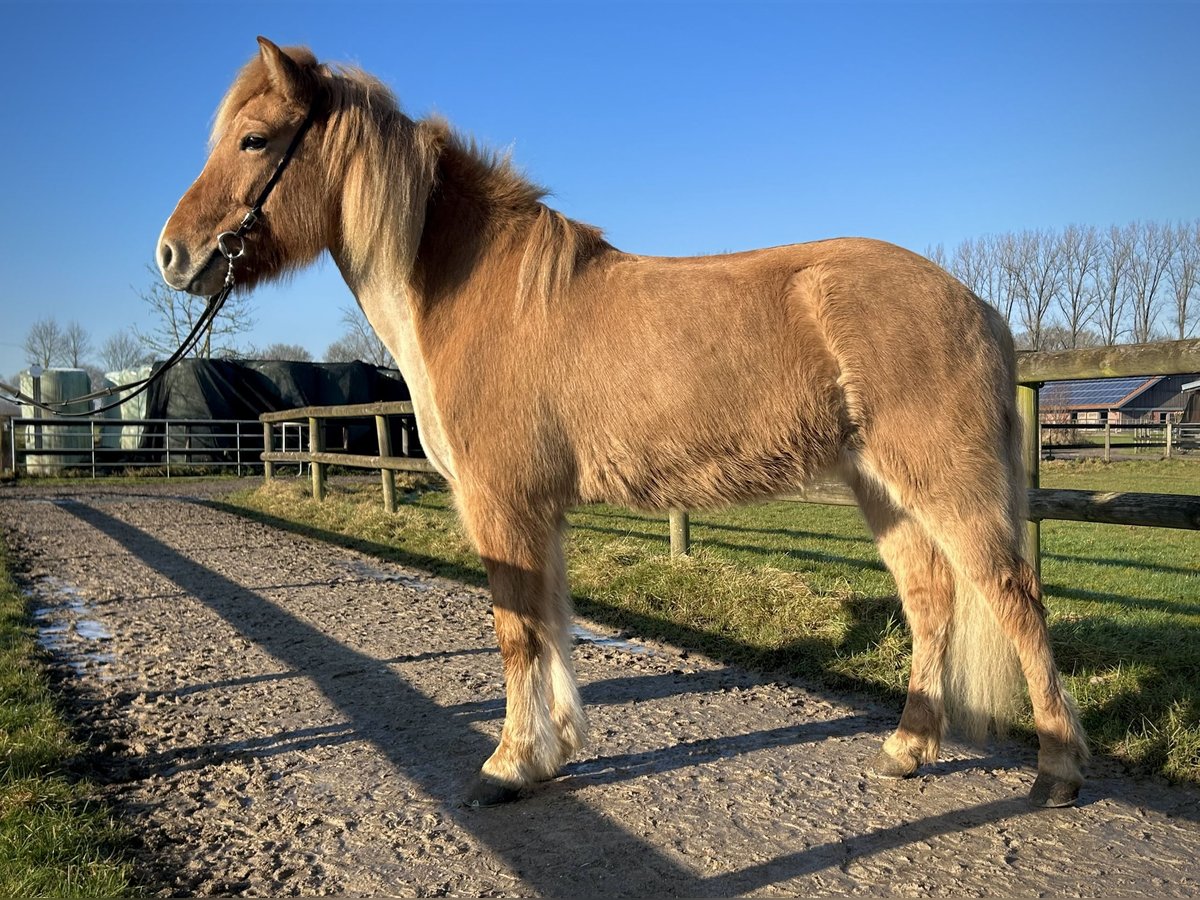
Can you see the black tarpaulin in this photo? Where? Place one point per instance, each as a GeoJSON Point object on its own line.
{"type": "Point", "coordinates": [209, 389]}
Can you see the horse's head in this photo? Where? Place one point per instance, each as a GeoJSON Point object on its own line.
{"type": "Point", "coordinates": [263, 111]}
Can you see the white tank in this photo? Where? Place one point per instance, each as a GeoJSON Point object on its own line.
{"type": "Point", "coordinates": [58, 385]}
{"type": "Point", "coordinates": [131, 435]}
{"type": "Point", "coordinates": [8, 412]}
{"type": "Point", "coordinates": [110, 435]}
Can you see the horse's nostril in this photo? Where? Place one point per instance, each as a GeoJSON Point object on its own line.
{"type": "Point", "coordinates": [165, 254]}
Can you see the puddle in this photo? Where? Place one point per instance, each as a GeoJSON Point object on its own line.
{"type": "Point", "coordinates": [91, 630]}
{"type": "Point", "coordinates": [586, 635]}
{"type": "Point", "coordinates": [364, 569]}
{"type": "Point", "coordinates": [66, 626]}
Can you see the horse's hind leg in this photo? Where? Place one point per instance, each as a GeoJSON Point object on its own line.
{"type": "Point", "coordinates": [926, 589]}
{"type": "Point", "coordinates": [521, 553]}
{"type": "Point", "coordinates": [973, 515]}
{"type": "Point", "coordinates": [984, 553]}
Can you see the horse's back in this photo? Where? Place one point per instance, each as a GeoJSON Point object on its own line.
{"type": "Point", "coordinates": [704, 380]}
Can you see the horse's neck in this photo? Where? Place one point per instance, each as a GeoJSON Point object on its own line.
{"type": "Point", "coordinates": [467, 233]}
{"type": "Point", "coordinates": [402, 298]}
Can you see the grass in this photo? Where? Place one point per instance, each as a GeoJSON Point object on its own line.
{"type": "Point", "coordinates": [799, 589]}
{"type": "Point", "coordinates": [55, 839]}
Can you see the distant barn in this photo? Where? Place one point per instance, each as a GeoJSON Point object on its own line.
{"type": "Point", "coordinates": [1122, 401]}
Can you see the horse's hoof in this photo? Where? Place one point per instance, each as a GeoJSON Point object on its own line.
{"type": "Point", "coordinates": [1050, 791]}
{"type": "Point", "coordinates": [489, 791]}
{"type": "Point", "coordinates": [883, 763]}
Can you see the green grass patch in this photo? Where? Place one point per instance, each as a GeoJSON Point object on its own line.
{"type": "Point", "coordinates": [55, 839]}
{"type": "Point", "coordinates": [799, 589]}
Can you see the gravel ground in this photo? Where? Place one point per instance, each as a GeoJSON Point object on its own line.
{"type": "Point", "coordinates": [278, 716]}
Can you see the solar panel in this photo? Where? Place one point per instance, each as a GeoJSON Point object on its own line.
{"type": "Point", "coordinates": [1092, 392]}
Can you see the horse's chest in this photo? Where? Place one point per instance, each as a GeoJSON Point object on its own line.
{"type": "Point", "coordinates": [429, 421]}
{"type": "Point", "coordinates": [397, 331]}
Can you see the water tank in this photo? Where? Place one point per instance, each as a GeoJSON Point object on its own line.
{"type": "Point", "coordinates": [130, 435]}
{"type": "Point", "coordinates": [8, 412]}
{"type": "Point", "coordinates": [57, 385]}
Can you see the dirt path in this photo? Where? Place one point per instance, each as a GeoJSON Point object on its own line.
{"type": "Point", "coordinates": [280, 716]}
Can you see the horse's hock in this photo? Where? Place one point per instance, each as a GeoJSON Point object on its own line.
{"type": "Point", "coordinates": [279, 715]}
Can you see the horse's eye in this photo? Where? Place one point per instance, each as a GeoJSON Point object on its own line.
{"type": "Point", "coordinates": [253, 142]}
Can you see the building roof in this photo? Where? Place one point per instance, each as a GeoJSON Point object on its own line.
{"type": "Point", "coordinates": [1094, 393]}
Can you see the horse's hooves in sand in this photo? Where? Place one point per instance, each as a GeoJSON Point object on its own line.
{"type": "Point", "coordinates": [883, 763]}
{"type": "Point", "coordinates": [488, 791]}
{"type": "Point", "coordinates": [1049, 791]}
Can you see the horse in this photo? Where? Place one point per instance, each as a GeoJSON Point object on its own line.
{"type": "Point", "coordinates": [549, 369]}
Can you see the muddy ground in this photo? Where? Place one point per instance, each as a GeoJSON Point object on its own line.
{"type": "Point", "coordinates": [276, 716]}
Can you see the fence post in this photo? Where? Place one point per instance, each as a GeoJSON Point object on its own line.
{"type": "Point", "coordinates": [167, 444]}
{"type": "Point", "coordinates": [268, 447]}
{"type": "Point", "coordinates": [1031, 444]}
{"type": "Point", "coordinates": [316, 444]}
{"type": "Point", "coordinates": [388, 476]}
{"type": "Point", "coordinates": [1108, 437]}
{"type": "Point", "coordinates": [1169, 430]}
{"type": "Point", "coordinates": [681, 532]}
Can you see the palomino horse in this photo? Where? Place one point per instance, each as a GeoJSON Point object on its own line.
{"type": "Point", "coordinates": [548, 369]}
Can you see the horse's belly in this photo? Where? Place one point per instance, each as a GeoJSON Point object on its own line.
{"type": "Point", "coordinates": [709, 470]}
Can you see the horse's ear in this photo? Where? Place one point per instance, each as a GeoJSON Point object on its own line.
{"type": "Point", "coordinates": [285, 75]}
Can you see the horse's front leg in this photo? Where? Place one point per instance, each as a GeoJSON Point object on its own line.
{"type": "Point", "coordinates": [543, 722]}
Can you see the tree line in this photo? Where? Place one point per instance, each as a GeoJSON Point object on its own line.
{"type": "Point", "coordinates": [1083, 286]}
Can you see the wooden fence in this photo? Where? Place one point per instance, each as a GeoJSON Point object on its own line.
{"type": "Point", "coordinates": [1034, 369]}
{"type": "Point", "coordinates": [317, 457]}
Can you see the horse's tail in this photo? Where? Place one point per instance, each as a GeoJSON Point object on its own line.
{"type": "Point", "coordinates": [983, 679]}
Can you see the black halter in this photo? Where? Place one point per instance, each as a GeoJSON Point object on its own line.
{"type": "Point", "coordinates": [225, 248]}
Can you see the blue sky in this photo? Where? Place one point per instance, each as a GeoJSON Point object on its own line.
{"type": "Point", "coordinates": [679, 128]}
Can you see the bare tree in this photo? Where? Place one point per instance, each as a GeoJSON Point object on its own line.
{"type": "Point", "coordinates": [1149, 264]}
{"type": "Point", "coordinates": [360, 342]}
{"type": "Point", "coordinates": [78, 345]}
{"type": "Point", "coordinates": [1112, 280]}
{"type": "Point", "coordinates": [937, 255]}
{"type": "Point", "coordinates": [1184, 275]}
{"type": "Point", "coordinates": [175, 313]}
{"type": "Point", "coordinates": [1037, 267]}
{"type": "Point", "coordinates": [122, 350]}
{"type": "Point", "coordinates": [1059, 337]}
{"type": "Point", "coordinates": [1078, 298]}
{"type": "Point", "coordinates": [45, 344]}
{"type": "Point", "coordinates": [281, 351]}
{"type": "Point", "coordinates": [1009, 260]}
{"type": "Point", "coordinates": [974, 264]}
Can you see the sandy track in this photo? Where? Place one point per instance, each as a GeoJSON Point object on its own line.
{"type": "Point", "coordinates": [277, 716]}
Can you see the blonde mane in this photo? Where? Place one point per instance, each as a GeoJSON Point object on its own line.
{"type": "Point", "coordinates": [388, 166]}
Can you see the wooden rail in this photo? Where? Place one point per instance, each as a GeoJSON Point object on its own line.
{"type": "Point", "coordinates": [318, 458]}
{"type": "Point", "coordinates": [1033, 369]}
{"type": "Point", "coordinates": [1161, 358]}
